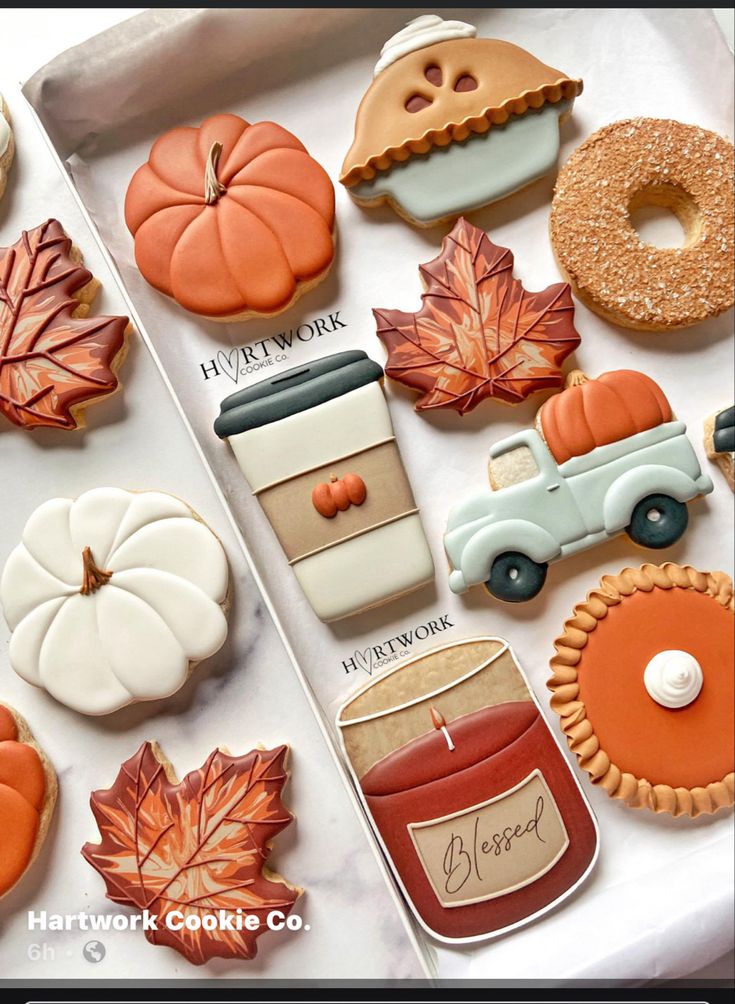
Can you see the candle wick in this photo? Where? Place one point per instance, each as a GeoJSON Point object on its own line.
{"type": "Point", "coordinates": [440, 725]}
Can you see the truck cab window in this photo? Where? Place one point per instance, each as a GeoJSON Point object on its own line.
{"type": "Point", "coordinates": [512, 467]}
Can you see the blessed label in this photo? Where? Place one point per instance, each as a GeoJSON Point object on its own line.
{"type": "Point", "coordinates": [492, 848]}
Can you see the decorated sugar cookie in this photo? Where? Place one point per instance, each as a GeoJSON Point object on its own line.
{"type": "Point", "coordinates": [113, 598]}
{"type": "Point", "coordinates": [479, 334]}
{"type": "Point", "coordinates": [643, 683]}
{"type": "Point", "coordinates": [607, 456]}
{"type": "Point", "coordinates": [452, 122]}
{"type": "Point", "coordinates": [719, 442]}
{"type": "Point", "coordinates": [482, 820]}
{"type": "Point", "coordinates": [27, 797]}
{"type": "Point", "coordinates": [197, 848]}
{"type": "Point", "coordinates": [232, 220]}
{"type": "Point", "coordinates": [629, 165]}
{"type": "Point", "coordinates": [317, 447]}
{"type": "Point", "coordinates": [7, 145]}
{"type": "Point", "coordinates": [55, 360]}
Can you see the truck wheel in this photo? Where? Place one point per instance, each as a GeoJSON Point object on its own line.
{"type": "Point", "coordinates": [515, 578]}
{"type": "Point", "coordinates": [658, 521]}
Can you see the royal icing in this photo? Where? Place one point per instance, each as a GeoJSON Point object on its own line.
{"type": "Point", "coordinates": [112, 598]}
{"type": "Point", "coordinates": [290, 436]}
{"type": "Point", "coordinates": [479, 334]}
{"type": "Point", "coordinates": [420, 33]}
{"type": "Point", "coordinates": [231, 219]}
{"type": "Point", "coordinates": [673, 678]}
{"type": "Point", "coordinates": [452, 122]}
{"type": "Point", "coordinates": [22, 797]}
{"type": "Point", "coordinates": [483, 822]}
{"type": "Point", "coordinates": [195, 849]}
{"type": "Point", "coordinates": [643, 682]}
{"type": "Point", "coordinates": [606, 457]}
{"type": "Point", "coordinates": [54, 359]}
{"type": "Point", "coordinates": [4, 130]}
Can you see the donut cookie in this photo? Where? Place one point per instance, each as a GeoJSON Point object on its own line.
{"type": "Point", "coordinates": [27, 798]}
{"type": "Point", "coordinates": [452, 122]}
{"type": "Point", "coordinates": [635, 163]}
{"type": "Point", "coordinates": [232, 220]}
{"type": "Point", "coordinates": [606, 456]}
{"type": "Point", "coordinates": [114, 597]}
{"type": "Point", "coordinates": [479, 334]}
{"type": "Point", "coordinates": [643, 683]}
{"type": "Point", "coordinates": [7, 145]}
{"type": "Point", "coordinates": [194, 853]}
{"type": "Point", "coordinates": [719, 442]}
{"type": "Point", "coordinates": [55, 360]}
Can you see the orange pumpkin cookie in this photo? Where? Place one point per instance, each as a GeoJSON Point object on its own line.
{"type": "Point", "coordinates": [643, 683]}
{"type": "Point", "coordinates": [27, 797]}
{"type": "Point", "coordinates": [232, 220]}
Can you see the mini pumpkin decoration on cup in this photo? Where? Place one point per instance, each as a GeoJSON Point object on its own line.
{"type": "Point", "coordinates": [232, 220]}
{"type": "Point", "coordinates": [338, 494]}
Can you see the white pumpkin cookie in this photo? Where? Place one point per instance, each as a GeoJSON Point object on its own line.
{"type": "Point", "coordinates": [114, 597]}
{"type": "Point", "coordinates": [7, 145]}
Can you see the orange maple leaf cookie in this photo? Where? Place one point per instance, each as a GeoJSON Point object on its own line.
{"type": "Point", "coordinates": [192, 849]}
{"type": "Point", "coordinates": [54, 359]}
{"type": "Point", "coordinates": [479, 333]}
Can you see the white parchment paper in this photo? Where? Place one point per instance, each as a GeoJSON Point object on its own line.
{"type": "Point", "coordinates": [660, 900]}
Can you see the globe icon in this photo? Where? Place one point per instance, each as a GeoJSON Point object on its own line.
{"type": "Point", "coordinates": [94, 951]}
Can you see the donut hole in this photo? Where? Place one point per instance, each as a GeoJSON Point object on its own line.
{"type": "Point", "coordinates": [665, 216]}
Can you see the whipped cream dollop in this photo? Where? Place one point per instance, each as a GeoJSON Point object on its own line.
{"type": "Point", "coordinates": [422, 31]}
{"type": "Point", "coordinates": [673, 678]}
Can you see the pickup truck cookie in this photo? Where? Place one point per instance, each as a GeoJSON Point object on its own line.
{"type": "Point", "coordinates": [607, 456]}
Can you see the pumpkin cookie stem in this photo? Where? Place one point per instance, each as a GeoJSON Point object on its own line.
{"type": "Point", "coordinates": [94, 577]}
{"type": "Point", "coordinates": [213, 188]}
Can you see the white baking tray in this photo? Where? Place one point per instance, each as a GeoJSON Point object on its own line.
{"type": "Point", "coordinates": [307, 69]}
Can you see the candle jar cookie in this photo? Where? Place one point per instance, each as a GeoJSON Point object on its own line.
{"type": "Point", "coordinates": [483, 822]}
{"type": "Point", "coordinates": [317, 447]}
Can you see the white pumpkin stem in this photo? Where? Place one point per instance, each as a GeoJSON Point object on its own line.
{"type": "Point", "coordinates": [94, 577]}
{"type": "Point", "coordinates": [576, 378]}
{"type": "Point", "coordinates": [213, 187]}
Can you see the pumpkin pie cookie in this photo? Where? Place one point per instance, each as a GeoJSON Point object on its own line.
{"type": "Point", "coordinates": [27, 797]}
{"type": "Point", "coordinates": [643, 683]}
{"type": "Point", "coordinates": [232, 220]}
{"type": "Point", "coordinates": [452, 122]}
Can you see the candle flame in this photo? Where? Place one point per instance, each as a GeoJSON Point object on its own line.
{"type": "Point", "coordinates": [437, 718]}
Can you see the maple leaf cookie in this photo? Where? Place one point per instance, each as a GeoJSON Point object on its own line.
{"type": "Point", "coordinates": [55, 360]}
{"type": "Point", "coordinates": [196, 849]}
{"type": "Point", "coordinates": [479, 334]}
